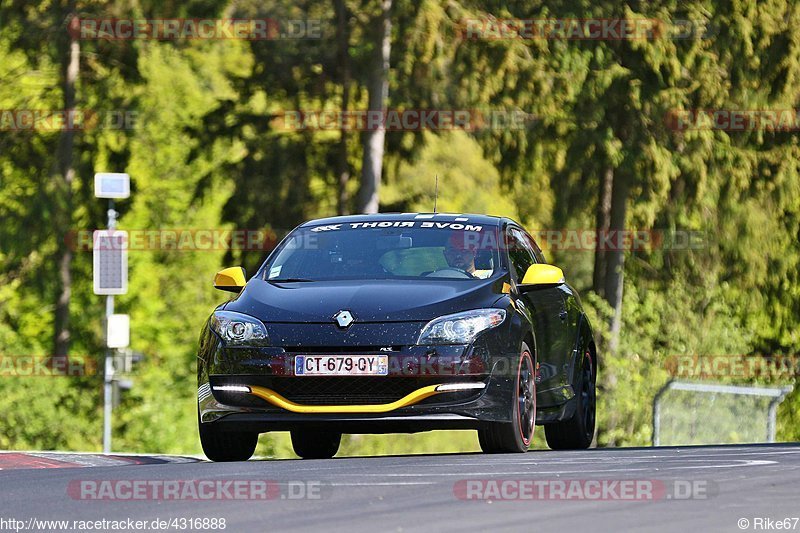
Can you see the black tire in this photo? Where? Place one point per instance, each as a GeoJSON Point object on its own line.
{"type": "Point", "coordinates": [310, 444]}
{"type": "Point", "coordinates": [577, 433]}
{"type": "Point", "coordinates": [515, 436]}
{"type": "Point", "coordinates": [225, 446]}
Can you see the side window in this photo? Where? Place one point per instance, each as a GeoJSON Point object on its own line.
{"type": "Point", "coordinates": [520, 256]}
{"type": "Point", "coordinates": [537, 252]}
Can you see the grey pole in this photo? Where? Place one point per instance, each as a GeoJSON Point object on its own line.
{"type": "Point", "coordinates": [773, 412]}
{"type": "Point", "coordinates": [107, 385]}
{"type": "Point", "coordinates": [657, 413]}
{"type": "Point", "coordinates": [657, 422]}
{"type": "Point", "coordinates": [108, 379]}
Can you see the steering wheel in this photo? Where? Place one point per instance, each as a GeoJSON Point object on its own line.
{"type": "Point", "coordinates": [448, 273]}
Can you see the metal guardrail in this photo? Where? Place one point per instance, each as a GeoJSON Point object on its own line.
{"type": "Point", "coordinates": [777, 395]}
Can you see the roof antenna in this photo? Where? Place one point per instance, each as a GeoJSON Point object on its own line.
{"type": "Point", "coordinates": [436, 193]}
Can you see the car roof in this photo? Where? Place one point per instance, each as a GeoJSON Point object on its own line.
{"type": "Point", "coordinates": [487, 220]}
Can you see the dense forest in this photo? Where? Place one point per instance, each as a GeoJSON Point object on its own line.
{"type": "Point", "coordinates": [569, 134]}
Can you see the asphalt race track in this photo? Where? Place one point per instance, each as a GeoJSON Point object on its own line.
{"type": "Point", "coordinates": [687, 489]}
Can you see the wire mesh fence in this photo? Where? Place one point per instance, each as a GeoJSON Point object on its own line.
{"type": "Point", "coordinates": [703, 413]}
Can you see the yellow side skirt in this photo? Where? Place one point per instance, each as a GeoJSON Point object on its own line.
{"type": "Point", "coordinates": [276, 399]}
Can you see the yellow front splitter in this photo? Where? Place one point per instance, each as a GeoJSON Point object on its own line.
{"type": "Point", "coordinates": [279, 401]}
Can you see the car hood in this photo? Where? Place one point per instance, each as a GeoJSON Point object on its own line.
{"type": "Point", "coordinates": [368, 301]}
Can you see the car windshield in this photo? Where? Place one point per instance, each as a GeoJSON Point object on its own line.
{"type": "Point", "coordinates": [386, 250]}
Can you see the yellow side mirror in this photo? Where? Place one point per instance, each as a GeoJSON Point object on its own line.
{"type": "Point", "coordinates": [538, 275]}
{"type": "Point", "coordinates": [230, 279]}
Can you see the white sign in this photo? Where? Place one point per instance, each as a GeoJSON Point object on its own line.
{"type": "Point", "coordinates": [112, 185]}
{"type": "Point", "coordinates": [119, 331]}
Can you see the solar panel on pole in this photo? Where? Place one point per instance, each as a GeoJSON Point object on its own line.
{"type": "Point", "coordinates": [110, 257]}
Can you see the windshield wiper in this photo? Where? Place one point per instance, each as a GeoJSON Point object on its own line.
{"type": "Point", "coordinates": [289, 280]}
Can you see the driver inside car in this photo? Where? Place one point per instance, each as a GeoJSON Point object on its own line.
{"type": "Point", "coordinates": [460, 252]}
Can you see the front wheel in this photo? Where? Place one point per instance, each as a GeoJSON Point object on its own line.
{"type": "Point", "coordinates": [577, 433]}
{"type": "Point", "coordinates": [316, 444]}
{"type": "Point", "coordinates": [515, 436]}
{"type": "Point", "coordinates": [225, 446]}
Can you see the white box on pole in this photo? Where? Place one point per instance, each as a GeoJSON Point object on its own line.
{"type": "Point", "coordinates": [112, 185]}
{"type": "Point", "coordinates": [110, 261]}
{"type": "Point", "coordinates": [118, 334]}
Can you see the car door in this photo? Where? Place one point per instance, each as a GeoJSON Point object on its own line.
{"type": "Point", "coordinates": [565, 331]}
{"type": "Point", "coordinates": [545, 306]}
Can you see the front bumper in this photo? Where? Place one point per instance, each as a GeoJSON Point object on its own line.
{"type": "Point", "coordinates": [256, 390]}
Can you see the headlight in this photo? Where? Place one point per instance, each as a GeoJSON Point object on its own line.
{"type": "Point", "coordinates": [460, 328]}
{"type": "Point", "coordinates": [237, 329]}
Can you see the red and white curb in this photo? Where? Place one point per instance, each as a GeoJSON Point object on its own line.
{"type": "Point", "coordinates": [37, 460]}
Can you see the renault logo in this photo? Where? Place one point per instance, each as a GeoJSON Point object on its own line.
{"type": "Point", "coordinates": [343, 319]}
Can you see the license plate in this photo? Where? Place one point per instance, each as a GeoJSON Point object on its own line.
{"type": "Point", "coordinates": [341, 365]}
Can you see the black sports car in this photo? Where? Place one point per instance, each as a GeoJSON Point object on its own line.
{"type": "Point", "coordinates": [397, 323]}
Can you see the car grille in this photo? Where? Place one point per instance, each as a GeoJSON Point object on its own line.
{"type": "Point", "coordinates": [341, 390]}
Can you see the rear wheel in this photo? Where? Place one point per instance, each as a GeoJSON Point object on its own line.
{"type": "Point", "coordinates": [310, 444]}
{"type": "Point", "coordinates": [515, 436]}
{"type": "Point", "coordinates": [577, 433]}
{"type": "Point", "coordinates": [225, 446]}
